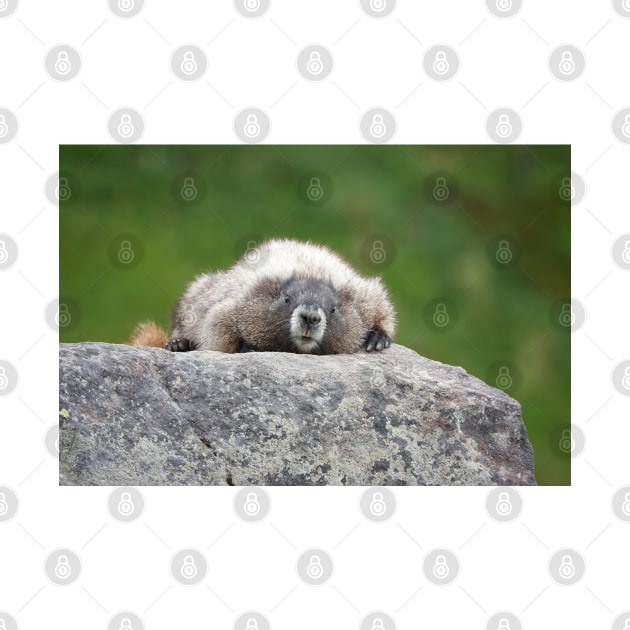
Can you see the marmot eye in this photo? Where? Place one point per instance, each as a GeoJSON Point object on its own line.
{"type": "Point", "coordinates": [333, 309]}
{"type": "Point", "coordinates": [287, 299]}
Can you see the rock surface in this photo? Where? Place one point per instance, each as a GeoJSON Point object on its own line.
{"type": "Point", "coordinates": [144, 416]}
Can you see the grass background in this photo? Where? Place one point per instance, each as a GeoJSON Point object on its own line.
{"type": "Point", "coordinates": [481, 233]}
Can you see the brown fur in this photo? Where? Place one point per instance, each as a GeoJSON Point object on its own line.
{"type": "Point", "coordinates": [148, 334]}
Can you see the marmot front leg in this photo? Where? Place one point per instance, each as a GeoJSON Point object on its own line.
{"type": "Point", "coordinates": [377, 340]}
{"type": "Point", "coordinates": [180, 345]}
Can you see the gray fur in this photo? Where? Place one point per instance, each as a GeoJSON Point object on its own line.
{"type": "Point", "coordinates": [286, 296]}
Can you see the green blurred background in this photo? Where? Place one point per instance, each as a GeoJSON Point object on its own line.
{"type": "Point", "coordinates": [472, 241]}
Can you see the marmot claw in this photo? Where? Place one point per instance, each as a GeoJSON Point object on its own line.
{"type": "Point", "coordinates": [180, 345]}
{"type": "Point", "coordinates": [377, 340]}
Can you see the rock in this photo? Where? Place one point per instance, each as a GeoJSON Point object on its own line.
{"type": "Point", "coordinates": [145, 416]}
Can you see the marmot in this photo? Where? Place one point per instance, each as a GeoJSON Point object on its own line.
{"type": "Point", "coordinates": [283, 296]}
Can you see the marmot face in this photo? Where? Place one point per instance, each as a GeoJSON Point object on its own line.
{"type": "Point", "coordinates": [303, 315]}
{"type": "Point", "coordinates": [308, 304]}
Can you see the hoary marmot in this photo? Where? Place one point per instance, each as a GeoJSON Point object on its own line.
{"type": "Point", "coordinates": [283, 296]}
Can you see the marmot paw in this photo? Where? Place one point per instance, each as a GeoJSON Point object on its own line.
{"type": "Point", "coordinates": [180, 345]}
{"type": "Point", "coordinates": [377, 340]}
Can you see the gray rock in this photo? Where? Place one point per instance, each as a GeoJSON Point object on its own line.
{"type": "Point", "coordinates": [145, 416]}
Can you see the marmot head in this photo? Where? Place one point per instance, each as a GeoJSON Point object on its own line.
{"type": "Point", "coordinates": [305, 315]}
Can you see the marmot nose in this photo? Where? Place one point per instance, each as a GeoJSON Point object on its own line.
{"type": "Point", "coordinates": [311, 318]}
